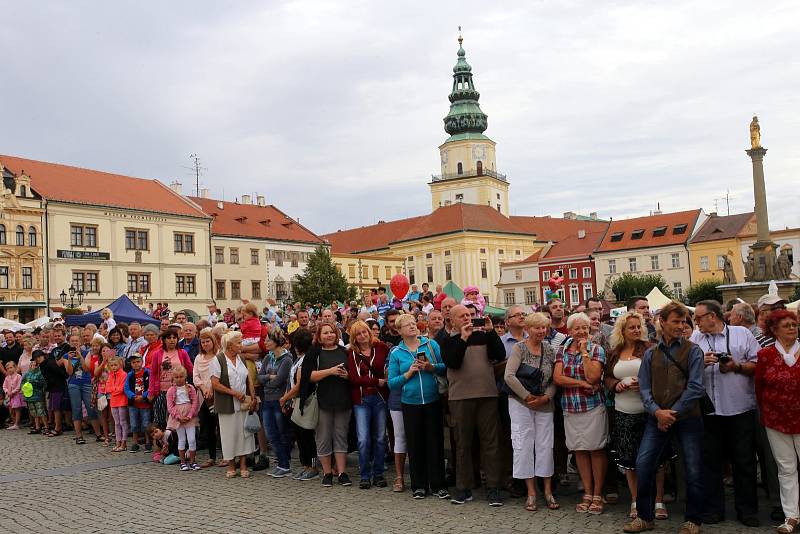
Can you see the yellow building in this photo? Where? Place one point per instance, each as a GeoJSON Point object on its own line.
{"type": "Point", "coordinates": [21, 249]}
{"type": "Point", "coordinates": [469, 232]}
{"type": "Point", "coordinates": [367, 271]}
{"type": "Point", "coordinates": [108, 235]}
{"type": "Point", "coordinates": [719, 236]}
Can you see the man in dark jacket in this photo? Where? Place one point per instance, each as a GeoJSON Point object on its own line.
{"type": "Point", "coordinates": [470, 355]}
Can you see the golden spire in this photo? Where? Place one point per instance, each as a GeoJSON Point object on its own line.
{"type": "Point", "coordinates": [460, 39]}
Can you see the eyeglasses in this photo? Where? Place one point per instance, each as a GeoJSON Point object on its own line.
{"type": "Point", "coordinates": [698, 317]}
{"type": "Point", "coordinates": [520, 314]}
{"type": "Point", "coordinates": [790, 326]}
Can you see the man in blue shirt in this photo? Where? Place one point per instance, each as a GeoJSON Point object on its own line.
{"type": "Point", "coordinates": [413, 295]}
{"type": "Point", "coordinates": [671, 385]}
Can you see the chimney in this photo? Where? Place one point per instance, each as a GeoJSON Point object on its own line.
{"type": "Point", "coordinates": [204, 193]}
{"type": "Point", "coordinates": [581, 233]}
{"type": "Point", "coordinates": [546, 249]}
{"type": "Point", "coordinates": [569, 215]}
{"type": "Point", "coordinates": [246, 199]}
{"type": "Point", "coordinates": [175, 186]}
{"type": "Point", "coordinates": [260, 200]}
{"type": "Point", "coordinates": [593, 215]}
{"type": "Point", "coordinates": [220, 205]}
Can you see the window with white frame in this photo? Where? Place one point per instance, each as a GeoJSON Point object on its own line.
{"type": "Point", "coordinates": [508, 297]}
{"type": "Point", "coordinates": [573, 273]}
{"type": "Point", "coordinates": [632, 265]}
{"type": "Point", "coordinates": [612, 266]}
{"type": "Point", "coordinates": [587, 272]}
{"type": "Point", "coordinates": [574, 296]}
{"type": "Point", "coordinates": [720, 262]}
{"type": "Point", "coordinates": [587, 291]}
{"type": "Point", "coordinates": [676, 260]}
{"type": "Point", "coordinates": [703, 263]}
{"type": "Point", "coordinates": [545, 275]}
{"type": "Point", "coordinates": [677, 290]}
{"type": "Point", "coordinates": [530, 295]}
{"type": "Point", "coordinates": [654, 262]}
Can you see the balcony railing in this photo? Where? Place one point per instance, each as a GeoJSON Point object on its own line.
{"type": "Point", "coordinates": [468, 174]}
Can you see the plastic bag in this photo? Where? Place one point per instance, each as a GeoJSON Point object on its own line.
{"type": "Point", "coordinates": [252, 423]}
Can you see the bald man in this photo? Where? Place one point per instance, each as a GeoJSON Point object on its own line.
{"type": "Point", "coordinates": [447, 330]}
{"type": "Point", "coordinates": [470, 355]}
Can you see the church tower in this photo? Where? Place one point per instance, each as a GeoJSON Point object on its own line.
{"type": "Point", "coordinates": [469, 173]}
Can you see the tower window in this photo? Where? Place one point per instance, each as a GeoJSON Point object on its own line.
{"type": "Point", "coordinates": [460, 168]}
{"type": "Point", "coordinates": [459, 196]}
{"type": "Point", "coordinates": [480, 168]}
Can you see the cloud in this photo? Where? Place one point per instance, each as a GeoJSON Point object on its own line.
{"type": "Point", "coordinates": [334, 110]}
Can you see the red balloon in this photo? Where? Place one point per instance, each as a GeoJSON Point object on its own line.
{"type": "Point", "coordinates": [555, 283]}
{"type": "Point", "coordinates": [399, 285]}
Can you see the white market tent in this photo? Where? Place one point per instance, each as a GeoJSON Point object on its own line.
{"type": "Point", "coordinates": [657, 299]}
{"type": "Point", "coordinates": [794, 305]}
{"type": "Point", "coordinates": [8, 324]}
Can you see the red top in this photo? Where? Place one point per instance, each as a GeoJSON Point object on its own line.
{"type": "Point", "coordinates": [115, 385]}
{"type": "Point", "coordinates": [778, 391]}
{"type": "Point", "coordinates": [365, 372]}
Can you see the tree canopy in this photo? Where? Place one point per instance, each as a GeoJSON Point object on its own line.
{"type": "Point", "coordinates": [631, 284]}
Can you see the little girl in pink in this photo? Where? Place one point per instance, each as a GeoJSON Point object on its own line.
{"type": "Point", "coordinates": [183, 405]}
{"type": "Point", "coordinates": [11, 388]}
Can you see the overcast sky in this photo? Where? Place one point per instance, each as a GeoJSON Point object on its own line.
{"type": "Point", "coordinates": [333, 110]}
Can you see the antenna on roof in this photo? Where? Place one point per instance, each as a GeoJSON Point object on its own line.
{"type": "Point", "coordinates": [197, 168]}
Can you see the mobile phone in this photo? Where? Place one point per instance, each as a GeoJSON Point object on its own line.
{"type": "Point", "coordinates": [422, 356]}
{"type": "Point", "coordinates": [478, 322]}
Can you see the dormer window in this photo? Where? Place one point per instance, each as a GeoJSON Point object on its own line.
{"type": "Point", "coordinates": [241, 219]}
{"type": "Point", "coordinates": [679, 229]}
{"type": "Point", "coordinates": [617, 236]}
{"type": "Point", "coordinates": [659, 231]}
{"type": "Point", "coordinates": [637, 234]}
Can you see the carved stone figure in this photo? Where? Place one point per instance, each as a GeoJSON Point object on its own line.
{"type": "Point", "coordinates": [784, 266]}
{"type": "Point", "coordinates": [749, 267]}
{"type": "Point", "coordinates": [755, 133]}
{"type": "Point", "coordinates": [729, 277]}
{"type": "Point", "coordinates": [608, 288]}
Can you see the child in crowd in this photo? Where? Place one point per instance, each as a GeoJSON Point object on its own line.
{"type": "Point", "coordinates": [102, 353]}
{"type": "Point", "coordinates": [183, 405]}
{"type": "Point", "coordinates": [115, 386]}
{"type": "Point", "coordinates": [14, 397]}
{"type": "Point", "coordinates": [33, 385]}
{"type": "Point", "coordinates": [165, 443]}
{"type": "Point", "coordinates": [251, 326]}
{"type": "Point", "coordinates": [137, 386]}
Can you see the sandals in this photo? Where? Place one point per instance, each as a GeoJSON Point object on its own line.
{"type": "Point", "coordinates": [206, 464]}
{"type": "Point", "coordinates": [399, 486]}
{"type": "Point", "coordinates": [597, 506]}
{"type": "Point", "coordinates": [80, 441]}
{"type": "Point", "coordinates": [230, 474]}
{"type": "Point", "coordinates": [53, 433]}
{"type": "Point", "coordinates": [583, 506]}
{"type": "Point", "coordinates": [634, 513]}
{"type": "Point", "coordinates": [661, 511]}
{"type": "Point", "coordinates": [223, 463]}
{"type": "Point", "coordinates": [244, 473]}
{"type": "Point", "coordinates": [530, 503]}
{"type": "Point", "coordinates": [551, 502]}
{"type": "Point", "coordinates": [788, 526]}
{"type": "Point", "coordinates": [33, 431]}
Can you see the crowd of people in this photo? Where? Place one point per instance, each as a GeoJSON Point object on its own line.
{"type": "Point", "coordinates": [462, 398]}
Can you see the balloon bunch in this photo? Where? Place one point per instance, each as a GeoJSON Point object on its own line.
{"type": "Point", "coordinates": [555, 283]}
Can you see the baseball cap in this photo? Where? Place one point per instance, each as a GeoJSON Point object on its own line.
{"type": "Point", "coordinates": [770, 300]}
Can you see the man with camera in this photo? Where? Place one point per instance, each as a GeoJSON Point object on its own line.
{"type": "Point", "coordinates": [470, 355]}
{"type": "Point", "coordinates": [730, 429]}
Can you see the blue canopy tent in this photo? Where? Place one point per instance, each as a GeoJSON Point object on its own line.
{"type": "Point", "coordinates": [124, 311]}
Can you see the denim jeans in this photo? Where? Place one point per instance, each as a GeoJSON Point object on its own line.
{"type": "Point", "coordinates": [689, 433]}
{"type": "Point", "coordinates": [371, 432]}
{"type": "Point", "coordinates": [140, 419]}
{"type": "Point", "coordinates": [81, 393]}
{"type": "Point", "coordinates": [277, 429]}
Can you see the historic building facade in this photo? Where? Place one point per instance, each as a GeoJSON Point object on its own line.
{"type": "Point", "coordinates": [718, 238]}
{"type": "Point", "coordinates": [22, 281]}
{"type": "Point", "coordinates": [108, 235]}
{"type": "Point", "coordinates": [257, 251]}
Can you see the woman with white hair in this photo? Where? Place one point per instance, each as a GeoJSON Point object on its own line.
{"type": "Point", "coordinates": [578, 370]}
{"type": "Point", "coordinates": [232, 386]}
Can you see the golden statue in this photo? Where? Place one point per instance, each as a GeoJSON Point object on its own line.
{"type": "Point", "coordinates": [755, 133]}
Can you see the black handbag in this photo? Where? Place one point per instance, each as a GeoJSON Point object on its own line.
{"type": "Point", "coordinates": [531, 378]}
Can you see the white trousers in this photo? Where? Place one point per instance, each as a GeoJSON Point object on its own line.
{"type": "Point", "coordinates": [785, 448]}
{"type": "Point", "coordinates": [400, 446]}
{"type": "Point", "coordinates": [532, 441]}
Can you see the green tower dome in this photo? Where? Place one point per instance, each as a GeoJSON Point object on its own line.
{"type": "Point", "coordinates": [465, 119]}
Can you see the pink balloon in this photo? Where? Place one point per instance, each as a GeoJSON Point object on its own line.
{"type": "Point", "coordinates": [399, 285]}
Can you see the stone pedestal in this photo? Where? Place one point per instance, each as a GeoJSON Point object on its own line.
{"type": "Point", "coordinates": [751, 291]}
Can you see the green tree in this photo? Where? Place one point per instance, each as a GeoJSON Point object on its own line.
{"type": "Point", "coordinates": [631, 284]}
{"type": "Point", "coordinates": [321, 281]}
{"type": "Point", "coordinates": [703, 290]}
{"type": "Point", "coordinates": [796, 295]}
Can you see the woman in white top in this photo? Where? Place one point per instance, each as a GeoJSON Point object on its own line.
{"type": "Point", "coordinates": [108, 319]}
{"type": "Point", "coordinates": [628, 342]}
{"type": "Point", "coordinates": [202, 381]}
{"type": "Point", "coordinates": [236, 442]}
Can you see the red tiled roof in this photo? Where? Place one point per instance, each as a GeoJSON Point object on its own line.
{"type": "Point", "coordinates": [54, 181]}
{"type": "Point", "coordinates": [624, 229]}
{"type": "Point", "coordinates": [254, 221]}
{"type": "Point", "coordinates": [530, 259]}
{"type": "Point", "coordinates": [458, 217]}
{"type": "Point", "coordinates": [575, 247]}
{"type": "Point", "coordinates": [554, 229]}
{"type": "Point", "coordinates": [719, 227]}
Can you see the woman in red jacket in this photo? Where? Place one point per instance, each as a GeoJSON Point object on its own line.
{"type": "Point", "coordinates": [162, 362]}
{"type": "Point", "coordinates": [777, 381]}
{"type": "Point", "coordinates": [366, 366]}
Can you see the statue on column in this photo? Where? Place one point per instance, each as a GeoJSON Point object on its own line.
{"type": "Point", "coordinates": [729, 277]}
{"type": "Point", "coordinates": [755, 133]}
{"type": "Point", "coordinates": [784, 266]}
{"type": "Point", "coordinates": [749, 267]}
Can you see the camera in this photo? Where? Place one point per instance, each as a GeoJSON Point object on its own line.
{"type": "Point", "coordinates": [723, 357]}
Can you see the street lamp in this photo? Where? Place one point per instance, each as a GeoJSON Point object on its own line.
{"type": "Point", "coordinates": [72, 295]}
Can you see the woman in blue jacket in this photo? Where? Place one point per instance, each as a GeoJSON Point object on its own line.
{"type": "Point", "coordinates": [413, 366]}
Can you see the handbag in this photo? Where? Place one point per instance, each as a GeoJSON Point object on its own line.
{"type": "Point", "coordinates": [531, 378]}
{"type": "Point", "coordinates": [442, 384]}
{"type": "Point", "coordinates": [310, 414]}
{"type": "Point", "coordinates": [252, 423]}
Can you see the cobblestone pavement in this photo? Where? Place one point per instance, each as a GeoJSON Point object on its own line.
{"type": "Point", "coordinates": [50, 485]}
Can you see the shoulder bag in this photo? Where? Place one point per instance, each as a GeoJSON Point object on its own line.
{"type": "Point", "coordinates": [531, 378]}
{"type": "Point", "coordinates": [309, 416]}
